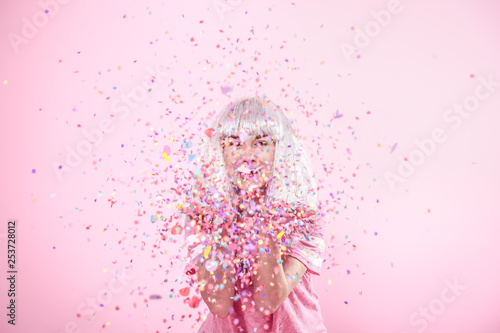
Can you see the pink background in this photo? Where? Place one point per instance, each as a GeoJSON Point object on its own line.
{"type": "Point", "coordinates": [390, 250]}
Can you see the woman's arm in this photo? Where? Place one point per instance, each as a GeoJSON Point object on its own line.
{"type": "Point", "coordinates": [277, 275]}
{"type": "Point", "coordinates": [218, 287]}
{"type": "Point", "coordinates": [217, 290]}
{"type": "Point", "coordinates": [275, 279]}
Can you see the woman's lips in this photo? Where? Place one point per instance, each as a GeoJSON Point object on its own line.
{"type": "Point", "coordinates": [248, 169]}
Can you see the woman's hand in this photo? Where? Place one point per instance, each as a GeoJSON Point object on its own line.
{"type": "Point", "coordinates": [283, 219]}
{"type": "Point", "coordinates": [217, 286]}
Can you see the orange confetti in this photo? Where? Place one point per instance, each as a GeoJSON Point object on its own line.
{"type": "Point", "coordinates": [195, 301]}
{"type": "Point", "coordinates": [184, 291]}
{"type": "Point", "coordinates": [209, 132]}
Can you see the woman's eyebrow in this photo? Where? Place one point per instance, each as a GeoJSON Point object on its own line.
{"type": "Point", "coordinates": [256, 137]}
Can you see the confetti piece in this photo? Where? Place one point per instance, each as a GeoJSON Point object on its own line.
{"type": "Point", "coordinates": [211, 265]}
{"type": "Point", "coordinates": [186, 144]}
{"type": "Point", "coordinates": [33, 171]}
{"type": "Point", "coordinates": [195, 301]}
{"type": "Point", "coordinates": [166, 157]}
{"type": "Point", "coordinates": [166, 149]}
{"type": "Point", "coordinates": [227, 90]}
{"type": "Point", "coordinates": [176, 230]}
{"type": "Point", "coordinates": [232, 247]}
{"type": "Point", "coordinates": [394, 147]}
{"type": "Point", "coordinates": [155, 296]}
{"type": "Point", "coordinates": [338, 115]}
{"type": "Point", "coordinates": [207, 251]}
{"type": "Point", "coordinates": [4, 82]}
{"type": "Point", "coordinates": [243, 136]}
{"type": "Point", "coordinates": [184, 291]}
{"type": "Point", "coordinates": [209, 132]}
{"type": "Point", "coordinates": [280, 234]}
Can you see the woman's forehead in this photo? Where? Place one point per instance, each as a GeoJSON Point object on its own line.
{"type": "Point", "coordinates": [244, 135]}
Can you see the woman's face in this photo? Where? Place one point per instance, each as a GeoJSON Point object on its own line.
{"type": "Point", "coordinates": [249, 159]}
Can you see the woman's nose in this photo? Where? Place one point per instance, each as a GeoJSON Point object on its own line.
{"type": "Point", "coordinates": [249, 154]}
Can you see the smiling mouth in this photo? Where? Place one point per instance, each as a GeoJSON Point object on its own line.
{"type": "Point", "coordinates": [247, 170]}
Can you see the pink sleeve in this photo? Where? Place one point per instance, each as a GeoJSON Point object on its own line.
{"type": "Point", "coordinates": [309, 246]}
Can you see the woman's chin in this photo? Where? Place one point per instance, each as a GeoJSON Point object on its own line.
{"type": "Point", "coordinates": [250, 186]}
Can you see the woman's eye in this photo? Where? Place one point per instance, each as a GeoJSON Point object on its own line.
{"type": "Point", "coordinates": [262, 143]}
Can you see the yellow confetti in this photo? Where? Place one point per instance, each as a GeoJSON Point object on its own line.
{"type": "Point", "coordinates": [166, 157]}
{"type": "Point", "coordinates": [280, 234]}
{"type": "Point", "coordinates": [5, 82]}
{"type": "Point", "coordinates": [207, 251]}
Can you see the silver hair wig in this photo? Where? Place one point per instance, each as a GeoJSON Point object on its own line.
{"type": "Point", "coordinates": [292, 181]}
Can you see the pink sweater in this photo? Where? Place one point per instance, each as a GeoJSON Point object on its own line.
{"type": "Point", "coordinates": [300, 312]}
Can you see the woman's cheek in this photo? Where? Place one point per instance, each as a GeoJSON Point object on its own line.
{"type": "Point", "coordinates": [231, 171]}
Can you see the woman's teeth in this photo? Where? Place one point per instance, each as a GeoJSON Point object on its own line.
{"type": "Point", "coordinates": [244, 169]}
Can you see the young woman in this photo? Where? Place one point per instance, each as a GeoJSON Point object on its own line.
{"type": "Point", "coordinates": [253, 224]}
